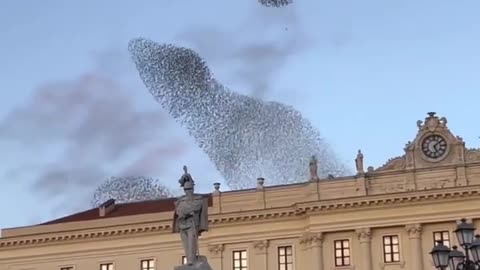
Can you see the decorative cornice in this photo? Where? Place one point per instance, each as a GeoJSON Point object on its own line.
{"type": "Point", "coordinates": [47, 239]}
{"type": "Point", "coordinates": [300, 209]}
{"type": "Point", "coordinates": [414, 230]}
{"type": "Point", "coordinates": [364, 235]}
{"type": "Point", "coordinates": [252, 216]}
{"type": "Point", "coordinates": [387, 199]}
{"type": "Point", "coordinates": [438, 167]}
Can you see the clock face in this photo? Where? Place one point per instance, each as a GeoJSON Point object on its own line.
{"type": "Point", "coordinates": [434, 146]}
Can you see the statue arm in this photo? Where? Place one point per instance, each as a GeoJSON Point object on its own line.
{"type": "Point", "coordinates": [175, 227]}
{"type": "Point", "coordinates": [182, 214]}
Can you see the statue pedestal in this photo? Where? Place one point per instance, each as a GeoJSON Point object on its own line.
{"type": "Point", "coordinates": [201, 264]}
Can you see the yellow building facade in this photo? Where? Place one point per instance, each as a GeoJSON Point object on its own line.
{"type": "Point", "coordinates": [380, 219]}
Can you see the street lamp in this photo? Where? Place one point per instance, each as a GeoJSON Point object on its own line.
{"type": "Point", "coordinates": [440, 254]}
{"type": "Point", "coordinates": [454, 259]}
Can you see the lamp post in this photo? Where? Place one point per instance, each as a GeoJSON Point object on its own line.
{"type": "Point", "coordinates": [445, 258]}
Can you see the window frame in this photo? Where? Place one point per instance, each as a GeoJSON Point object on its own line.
{"type": "Point", "coordinates": [287, 265]}
{"type": "Point", "coordinates": [240, 259]}
{"type": "Point", "coordinates": [342, 249]}
{"type": "Point", "coordinates": [391, 255]}
{"type": "Point", "coordinates": [149, 267]}
{"type": "Point", "coordinates": [442, 238]}
{"type": "Point", "coordinates": [107, 264]}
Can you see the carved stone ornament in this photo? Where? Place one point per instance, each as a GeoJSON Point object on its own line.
{"type": "Point", "coordinates": [311, 239]}
{"type": "Point", "coordinates": [216, 250]}
{"type": "Point", "coordinates": [414, 230]}
{"type": "Point", "coordinates": [261, 246]}
{"type": "Point", "coordinates": [473, 155]}
{"type": "Point", "coordinates": [364, 235]}
{"type": "Point", "coordinates": [432, 123]}
{"type": "Point", "coordinates": [396, 163]}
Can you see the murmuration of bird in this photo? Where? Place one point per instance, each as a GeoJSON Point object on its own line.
{"type": "Point", "coordinates": [244, 137]}
{"type": "Point", "coordinates": [275, 3]}
{"type": "Point", "coordinates": [129, 189]}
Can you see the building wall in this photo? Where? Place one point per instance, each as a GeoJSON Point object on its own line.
{"type": "Point", "coordinates": [410, 197]}
{"type": "Point", "coordinates": [311, 234]}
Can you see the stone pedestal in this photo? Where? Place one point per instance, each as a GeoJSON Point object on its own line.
{"type": "Point", "coordinates": [201, 264]}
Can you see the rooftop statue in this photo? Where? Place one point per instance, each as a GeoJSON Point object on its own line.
{"type": "Point", "coordinates": [190, 220]}
{"type": "Point", "coordinates": [359, 162]}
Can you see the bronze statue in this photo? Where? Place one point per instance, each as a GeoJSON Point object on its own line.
{"type": "Point", "coordinates": [190, 218]}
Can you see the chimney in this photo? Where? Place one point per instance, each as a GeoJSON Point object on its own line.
{"type": "Point", "coordinates": [106, 207]}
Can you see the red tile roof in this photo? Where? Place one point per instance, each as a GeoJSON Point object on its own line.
{"type": "Point", "coordinates": [124, 209]}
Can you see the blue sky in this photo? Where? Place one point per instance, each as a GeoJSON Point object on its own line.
{"type": "Point", "coordinates": [363, 72]}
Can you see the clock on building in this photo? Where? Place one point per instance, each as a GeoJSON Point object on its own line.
{"type": "Point", "coordinates": [434, 146]}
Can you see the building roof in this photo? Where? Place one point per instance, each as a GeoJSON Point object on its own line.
{"type": "Point", "coordinates": [124, 209]}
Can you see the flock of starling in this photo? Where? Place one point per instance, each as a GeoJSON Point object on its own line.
{"type": "Point", "coordinates": [246, 138]}
{"type": "Point", "coordinates": [275, 3]}
{"type": "Point", "coordinates": [129, 189]}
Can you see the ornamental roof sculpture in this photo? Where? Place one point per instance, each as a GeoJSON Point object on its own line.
{"type": "Point", "coordinates": [433, 145]}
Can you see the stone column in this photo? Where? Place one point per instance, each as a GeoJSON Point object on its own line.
{"type": "Point", "coordinates": [415, 235]}
{"type": "Point", "coordinates": [365, 238]}
{"type": "Point", "coordinates": [260, 261]}
{"type": "Point", "coordinates": [216, 256]}
{"type": "Point", "coordinates": [313, 244]}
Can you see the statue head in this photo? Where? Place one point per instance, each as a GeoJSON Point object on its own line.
{"type": "Point", "coordinates": [186, 181]}
{"type": "Point", "coordinates": [188, 188]}
{"type": "Point", "coordinates": [188, 185]}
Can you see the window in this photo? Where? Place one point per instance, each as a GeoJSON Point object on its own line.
{"type": "Point", "coordinates": [66, 268]}
{"type": "Point", "coordinates": [443, 236]}
{"type": "Point", "coordinates": [240, 260]}
{"type": "Point", "coordinates": [285, 258]}
{"type": "Point", "coordinates": [106, 266]}
{"type": "Point", "coordinates": [147, 264]}
{"type": "Point", "coordinates": [342, 252]}
{"type": "Point", "coordinates": [391, 249]}
{"type": "Point", "coordinates": [184, 260]}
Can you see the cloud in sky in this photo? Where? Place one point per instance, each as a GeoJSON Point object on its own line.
{"type": "Point", "coordinates": [73, 134]}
